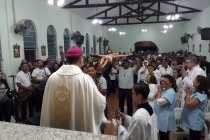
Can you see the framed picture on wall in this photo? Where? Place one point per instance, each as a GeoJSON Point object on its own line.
{"type": "Point", "coordinates": [16, 49]}
{"type": "Point", "coordinates": [43, 50]}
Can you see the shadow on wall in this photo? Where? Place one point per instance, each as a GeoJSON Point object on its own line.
{"type": "Point", "coordinates": [145, 45]}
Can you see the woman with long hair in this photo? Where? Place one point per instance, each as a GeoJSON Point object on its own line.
{"type": "Point", "coordinates": [164, 106]}
{"type": "Point", "coordinates": [193, 115]}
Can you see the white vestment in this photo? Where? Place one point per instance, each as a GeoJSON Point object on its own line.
{"type": "Point", "coordinates": [72, 101]}
{"type": "Point", "coordinates": [137, 127]}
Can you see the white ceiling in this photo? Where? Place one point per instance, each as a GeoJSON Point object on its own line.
{"type": "Point", "coordinates": [87, 12]}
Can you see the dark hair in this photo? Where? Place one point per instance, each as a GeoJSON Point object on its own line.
{"type": "Point", "coordinates": [142, 88]}
{"type": "Point", "coordinates": [39, 60]}
{"type": "Point", "coordinates": [126, 60]}
{"type": "Point", "coordinates": [83, 67]}
{"type": "Point", "coordinates": [203, 86]}
{"type": "Point", "coordinates": [23, 64]}
{"type": "Point", "coordinates": [91, 66]}
{"type": "Point", "coordinates": [150, 65]}
{"type": "Point", "coordinates": [172, 80]}
{"type": "Point", "coordinates": [153, 79]}
{"type": "Point", "coordinates": [179, 72]}
{"type": "Point", "coordinates": [61, 63]}
{"type": "Point", "coordinates": [72, 60]}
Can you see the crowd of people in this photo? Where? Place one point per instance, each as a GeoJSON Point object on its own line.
{"type": "Point", "coordinates": [72, 94]}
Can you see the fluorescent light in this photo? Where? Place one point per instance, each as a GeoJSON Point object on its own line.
{"type": "Point", "coordinates": [170, 26]}
{"type": "Point", "coordinates": [95, 21]}
{"type": "Point", "coordinates": [51, 2]}
{"type": "Point", "coordinates": [143, 30]}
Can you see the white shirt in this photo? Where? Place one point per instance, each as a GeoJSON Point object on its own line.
{"type": "Point", "coordinates": [152, 94]}
{"type": "Point", "coordinates": [102, 83]}
{"type": "Point", "coordinates": [41, 73]}
{"type": "Point", "coordinates": [126, 77]}
{"type": "Point", "coordinates": [112, 74]}
{"type": "Point", "coordinates": [23, 78]}
{"type": "Point", "coordinates": [188, 80]}
{"type": "Point", "coordinates": [164, 71]}
{"type": "Point", "coordinates": [142, 73]}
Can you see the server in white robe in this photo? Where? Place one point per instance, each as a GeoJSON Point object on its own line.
{"type": "Point", "coordinates": [71, 99]}
{"type": "Point", "coordinates": [137, 127]}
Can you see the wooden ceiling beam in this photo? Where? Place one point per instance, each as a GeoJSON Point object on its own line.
{"type": "Point", "coordinates": [70, 5]}
{"type": "Point", "coordinates": [149, 22]}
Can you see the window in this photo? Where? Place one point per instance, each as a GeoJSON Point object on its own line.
{"type": "Point", "coordinates": [66, 36]}
{"type": "Point", "coordinates": [51, 42]}
{"type": "Point", "coordinates": [87, 40]}
{"type": "Point", "coordinates": [29, 41]}
{"type": "Point", "coordinates": [94, 44]}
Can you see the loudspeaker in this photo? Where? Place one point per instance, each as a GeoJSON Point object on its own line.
{"type": "Point", "coordinates": [80, 39]}
{"type": "Point", "coordinates": [105, 42]}
{"type": "Point", "coordinates": [183, 40]}
{"type": "Point", "coordinates": [205, 34]}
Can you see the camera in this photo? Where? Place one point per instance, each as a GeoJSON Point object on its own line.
{"type": "Point", "coordinates": [117, 113]}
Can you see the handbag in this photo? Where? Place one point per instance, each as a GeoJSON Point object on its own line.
{"type": "Point", "coordinates": [23, 94]}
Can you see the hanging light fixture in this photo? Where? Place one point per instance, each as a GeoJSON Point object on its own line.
{"type": "Point", "coordinates": [97, 21]}
{"type": "Point", "coordinates": [173, 16]}
{"type": "Point", "coordinates": [58, 2]}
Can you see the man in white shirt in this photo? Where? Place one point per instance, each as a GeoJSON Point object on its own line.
{"type": "Point", "coordinates": [193, 69]}
{"type": "Point", "coordinates": [39, 77]}
{"type": "Point", "coordinates": [126, 83]}
{"type": "Point", "coordinates": [23, 81]}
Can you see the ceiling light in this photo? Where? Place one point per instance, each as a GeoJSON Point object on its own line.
{"type": "Point", "coordinates": [122, 33]}
{"type": "Point", "coordinates": [168, 17]}
{"type": "Point", "coordinates": [143, 30]}
{"type": "Point", "coordinates": [51, 2]}
{"type": "Point", "coordinates": [176, 16]}
{"type": "Point", "coordinates": [112, 29]}
{"type": "Point", "coordinates": [60, 2]}
{"type": "Point", "coordinates": [96, 21]}
{"type": "Point", "coordinates": [173, 17]}
{"type": "Point", "coordinates": [163, 31]}
{"type": "Point", "coordinates": [100, 21]}
{"type": "Point", "coordinates": [165, 26]}
{"type": "Point", "coordinates": [170, 26]}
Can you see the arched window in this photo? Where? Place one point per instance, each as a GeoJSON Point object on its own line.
{"type": "Point", "coordinates": [94, 44]}
{"type": "Point", "coordinates": [87, 40]}
{"type": "Point", "coordinates": [51, 42]}
{"type": "Point", "coordinates": [100, 45]}
{"type": "Point", "coordinates": [66, 36]}
{"type": "Point", "coordinates": [29, 41]}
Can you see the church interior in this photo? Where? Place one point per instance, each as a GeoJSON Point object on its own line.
{"type": "Point", "coordinates": [114, 48]}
